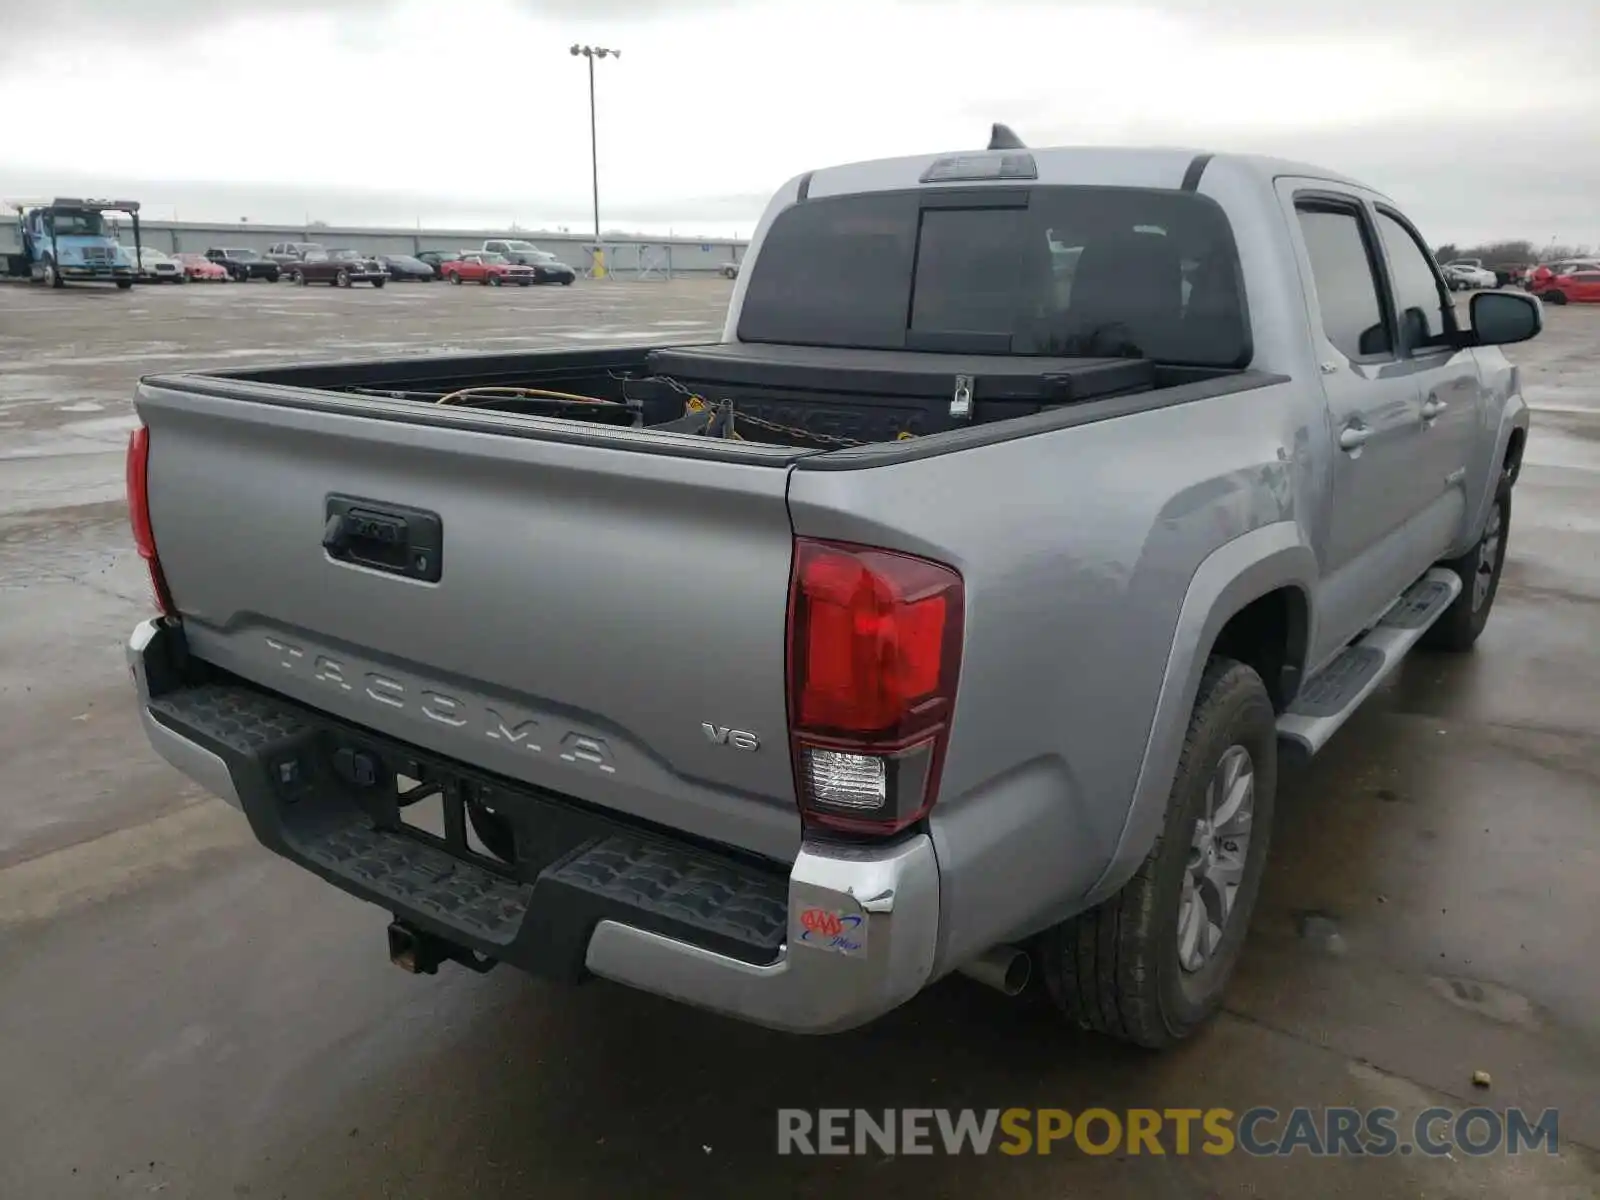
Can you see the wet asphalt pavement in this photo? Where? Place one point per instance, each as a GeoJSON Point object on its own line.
{"type": "Point", "coordinates": [182, 1014]}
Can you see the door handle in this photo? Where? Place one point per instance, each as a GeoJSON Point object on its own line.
{"type": "Point", "coordinates": [1432, 407]}
{"type": "Point", "coordinates": [1353, 437]}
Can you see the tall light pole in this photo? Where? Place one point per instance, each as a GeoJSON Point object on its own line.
{"type": "Point", "coordinates": [592, 53]}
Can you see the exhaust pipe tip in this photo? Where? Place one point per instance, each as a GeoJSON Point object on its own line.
{"type": "Point", "coordinates": [1006, 969]}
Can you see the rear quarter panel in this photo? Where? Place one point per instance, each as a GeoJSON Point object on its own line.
{"type": "Point", "coordinates": [1078, 548]}
{"type": "Point", "coordinates": [1505, 412]}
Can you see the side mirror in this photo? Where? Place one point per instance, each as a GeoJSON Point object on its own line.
{"type": "Point", "coordinates": [1503, 318]}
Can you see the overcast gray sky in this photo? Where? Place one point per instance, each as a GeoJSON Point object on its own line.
{"type": "Point", "coordinates": [1483, 118]}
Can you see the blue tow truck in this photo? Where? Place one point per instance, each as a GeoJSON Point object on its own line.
{"type": "Point", "coordinates": [68, 241]}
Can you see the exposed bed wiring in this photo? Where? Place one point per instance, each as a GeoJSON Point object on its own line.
{"type": "Point", "coordinates": [701, 417]}
{"type": "Point", "coordinates": [724, 419]}
{"type": "Point", "coordinates": [520, 393]}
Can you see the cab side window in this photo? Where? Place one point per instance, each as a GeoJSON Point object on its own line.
{"type": "Point", "coordinates": [1419, 300]}
{"type": "Point", "coordinates": [1345, 281]}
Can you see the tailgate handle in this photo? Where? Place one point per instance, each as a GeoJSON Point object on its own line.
{"type": "Point", "coordinates": [384, 537]}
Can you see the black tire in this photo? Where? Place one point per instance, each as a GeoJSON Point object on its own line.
{"type": "Point", "coordinates": [1458, 629]}
{"type": "Point", "coordinates": [494, 831]}
{"type": "Point", "coordinates": [124, 285]}
{"type": "Point", "coordinates": [298, 277]}
{"type": "Point", "coordinates": [342, 279]}
{"type": "Point", "coordinates": [53, 274]}
{"type": "Point", "coordinates": [524, 282]}
{"type": "Point", "coordinates": [493, 280]}
{"type": "Point", "coordinates": [566, 282]}
{"type": "Point", "coordinates": [1554, 297]}
{"type": "Point", "coordinates": [1116, 969]}
{"type": "Point", "coordinates": [454, 277]}
{"type": "Point", "coordinates": [378, 283]}
{"type": "Point", "coordinates": [273, 278]}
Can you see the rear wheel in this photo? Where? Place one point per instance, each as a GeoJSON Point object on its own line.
{"type": "Point", "coordinates": [1150, 964]}
{"type": "Point", "coordinates": [342, 279]}
{"type": "Point", "coordinates": [454, 277]}
{"type": "Point", "coordinates": [1479, 569]}
{"type": "Point", "coordinates": [492, 280]}
{"type": "Point", "coordinates": [1554, 297]}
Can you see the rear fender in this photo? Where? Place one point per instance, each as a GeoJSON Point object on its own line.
{"type": "Point", "coordinates": [1508, 413]}
{"type": "Point", "coordinates": [1261, 561]}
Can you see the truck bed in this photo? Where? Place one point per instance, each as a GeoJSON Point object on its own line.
{"type": "Point", "coordinates": [567, 603]}
{"type": "Point", "coordinates": [797, 398]}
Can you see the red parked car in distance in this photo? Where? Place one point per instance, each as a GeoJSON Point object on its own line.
{"type": "Point", "coordinates": [199, 267]}
{"type": "Point", "coordinates": [482, 266]}
{"type": "Point", "coordinates": [1575, 281]}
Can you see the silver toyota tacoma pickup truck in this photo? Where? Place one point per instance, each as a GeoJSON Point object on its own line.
{"type": "Point", "coordinates": [950, 613]}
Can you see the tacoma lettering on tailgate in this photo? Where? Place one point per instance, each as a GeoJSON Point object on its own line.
{"type": "Point", "coordinates": [576, 747]}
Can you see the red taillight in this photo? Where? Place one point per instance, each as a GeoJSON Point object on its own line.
{"type": "Point", "coordinates": [144, 538]}
{"type": "Point", "coordinates": [874, 650]}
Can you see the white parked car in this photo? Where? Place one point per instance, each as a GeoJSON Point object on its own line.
{"type": "Point", "coordinates": [156, 266]}
{"type": "Point", "coordinates": [1465, 276]}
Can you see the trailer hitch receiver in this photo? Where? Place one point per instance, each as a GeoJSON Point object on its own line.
{"type": "Point", "coordinates": [414, 950]}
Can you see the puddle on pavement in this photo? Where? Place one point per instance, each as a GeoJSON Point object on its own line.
{"type": "Point", "coordinates": [63, 544]}
{"type": "Point", "coordinates": [19, 385]}
{"type": "Point", "coordinates": [1490, 1000]}
{"type": "Point", "coordinates": [98, 436]}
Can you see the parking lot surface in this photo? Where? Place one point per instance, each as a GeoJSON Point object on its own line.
{"type": "Point", "coordinates": [182, 1014]}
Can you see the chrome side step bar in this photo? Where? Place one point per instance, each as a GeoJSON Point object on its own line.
{"type": "Point", "coordinates": [1327, 701]}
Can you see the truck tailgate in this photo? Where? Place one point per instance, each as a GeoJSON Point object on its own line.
{"type": "Point", "coordinates": [602, 621]}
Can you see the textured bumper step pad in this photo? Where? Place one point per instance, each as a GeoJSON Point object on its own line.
{"type": "Point", "coordinates": [420, 877]}
{"type": "Point", "coordinates": [679, 890]}
{"type": "Point", "coordinates": [701, 892]}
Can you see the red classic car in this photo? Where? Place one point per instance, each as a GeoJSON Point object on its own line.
{"type": "Point", "coordinates": [199, 267]}
{"type": "Point", "coordinates": [486, 267]}
{"type": "Point", "coordinates": [1576, 281]}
